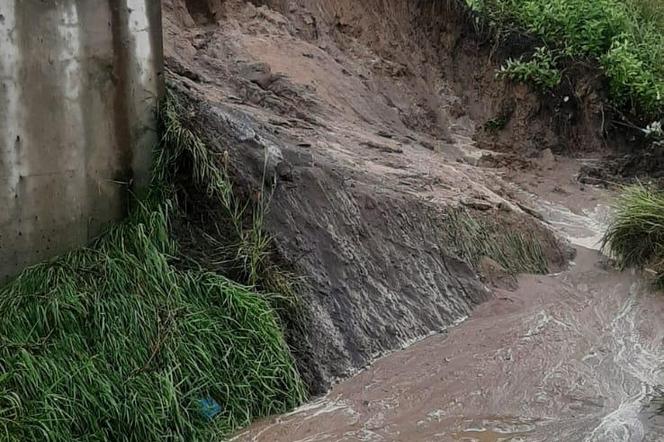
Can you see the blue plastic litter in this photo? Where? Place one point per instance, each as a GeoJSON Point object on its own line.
{"type": "Point", "coordinates": [209, 408]}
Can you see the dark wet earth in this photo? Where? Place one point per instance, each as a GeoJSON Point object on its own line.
{"type": "Point", "coordinates": [575, 356]}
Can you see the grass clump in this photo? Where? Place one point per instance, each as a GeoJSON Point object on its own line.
{"type": "Point", "coordinates": [624, 37]}
{"type": "Point", "coordinates": [635, 236]}
{"type": "Point", "coordinates": [471, 238]}
{"type": "Point", "coordinates": [121, 341]}
{"type": "Point", "coordinates": [236, 242]}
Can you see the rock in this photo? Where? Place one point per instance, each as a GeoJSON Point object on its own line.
{"type": "Point", "coordinates": [260, 74]}
{"type": "Point", "coordinates": [427, 145]}
{"type": "Point", "coordinates": [381, 147]}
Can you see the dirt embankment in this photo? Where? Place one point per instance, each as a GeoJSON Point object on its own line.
{"type": "Point", "coordinates": [366, 122]}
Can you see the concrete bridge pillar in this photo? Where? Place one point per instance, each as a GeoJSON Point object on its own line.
{"type": "Point", "coordinates": [80, 81]}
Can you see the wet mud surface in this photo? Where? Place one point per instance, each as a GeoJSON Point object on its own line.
{"type": "Point", "coordinates": [571, 357]}
{"type": "Point", "coordinates": [574, 356]}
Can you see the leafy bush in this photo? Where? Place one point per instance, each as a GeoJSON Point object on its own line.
{"type": "Point", "coordinates": [540, 70]}
{"type": "Point", "coordinates": [625, 37]}
{"type": "Point", "coordinates": [632, 81]}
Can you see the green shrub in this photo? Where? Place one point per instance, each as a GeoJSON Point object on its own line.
{"type": "Point", "coordinates": [635, 236]}
{"type": "Point", "coordinates": [540, 70]}
{"type": "Point", "coordinates": [631, 80]}
{"type": "Point", "coordinates": [625, 37]}
{"type": "Point", "coordinates": [652, 9]}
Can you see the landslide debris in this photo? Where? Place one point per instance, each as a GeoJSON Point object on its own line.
{"type": "Point", "coordinates": [347, 114]}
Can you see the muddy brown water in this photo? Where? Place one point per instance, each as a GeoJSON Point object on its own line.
{"type": "Point", "coordinates": [575, 356]}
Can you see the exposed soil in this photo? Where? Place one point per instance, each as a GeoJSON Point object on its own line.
{"type": "Point", "coordinates": [367, 121]}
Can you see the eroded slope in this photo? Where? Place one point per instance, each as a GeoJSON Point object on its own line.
{"type": "Point", "coordinates": [348, 113]}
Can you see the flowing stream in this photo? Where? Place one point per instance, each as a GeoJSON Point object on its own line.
{"type": "Point", "coordinates": [575, 356]}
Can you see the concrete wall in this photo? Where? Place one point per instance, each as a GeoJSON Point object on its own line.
{"type": "Point", "coordinates": [79, 83]}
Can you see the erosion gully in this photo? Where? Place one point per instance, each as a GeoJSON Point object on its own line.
{"type": "Point", "coordinates": [574, 356]}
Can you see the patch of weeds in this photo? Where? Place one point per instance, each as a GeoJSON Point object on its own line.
{"type": "Point", "coordinates": [121, 341]}
{"type": "Point", "coordinates": [471, 238]}
{"type": "Point", "coordinates": [652, 9]}
{"type": "Point", "coordinates": [540, 70]}
{"type": "Point", "coordinates": [635, 236]}
{"type": "Point", "coordinates": [624, 37]}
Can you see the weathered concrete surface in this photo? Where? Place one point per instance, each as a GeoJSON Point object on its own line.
{"type": "Point", "coordinates": [79, 82]}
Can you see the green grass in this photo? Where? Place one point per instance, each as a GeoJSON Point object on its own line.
{"type": "Point", "coordinates": [471, 238]}
{"type": "Point", "coordinates": [121, 341]}
{"type": "Point", "coordinates": [635, 236]}
{"type": "Point", "coordinates": [230, 231]}
{"type": "Point", "coordinates": [626, 38]}
{"type": "Point", "coordinates": [652, 9]}
{"type": "Point", "coordinates": [239, 244]}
